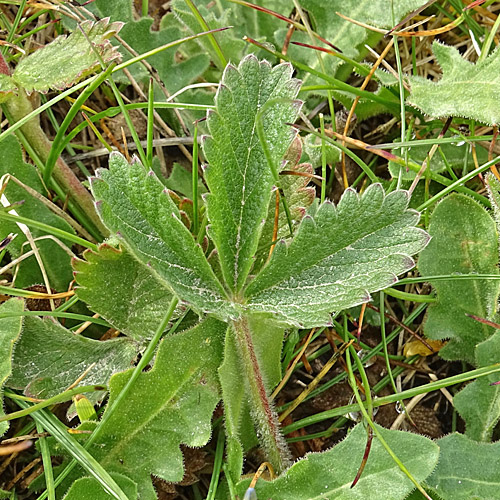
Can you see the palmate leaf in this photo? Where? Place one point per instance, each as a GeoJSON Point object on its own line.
{"type": "Point", "coordinates": [169, 405]}
{"type": "Point", "coordinates": [467, 470]}
{"type": "Point", "coordinates": [137, 206]}
{"type": "Point", "coordinates": [10, 329]}
{"type": "Point", "coordinates": [464, 240]}
{"type": "Point", "coordinates": [465, 89]}
{"type": "Point", "coordinates": [329, 475]}
{"type": "Point", "coordinates": [338, 257]}
{"type": "Point", "coordinates": [49, 358]}
{"type": "Point", "coordinates": [67, 59]}
{"type": "Point", "coordinates": [123, 291]}
{"type": "Point", "coordinates": [238, 174]}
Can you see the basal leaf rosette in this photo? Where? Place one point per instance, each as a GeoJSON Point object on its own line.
{"type": "Point", "coordinates": [338, 257]}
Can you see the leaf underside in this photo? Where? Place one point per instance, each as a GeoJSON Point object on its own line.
{"type": "Point", "coordinates": [338, 257]}
{"type": "Point", "coordinates": [238, 174]}
{"type": "Point", "coordinates": [123, 291]}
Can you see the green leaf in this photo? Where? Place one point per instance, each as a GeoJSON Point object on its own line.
{"type": "Point", "coordinates": [7, 87]}
{"type": "Point", "coordinates": [123, 291]}
{"type": "Point", "coordinates": [493, 187]}
{"type": "Point", "coordinates": [137, 206]}
{"type": "Point", "coordinates": [464, 241]}
{"type": "Point", "coordinates": [268, 341]}
{"type": "Point", "coordinates": [338, 257]}
{"type": "Point", "coordinates": [55, 259]}
{"type": "Point", "coordinates": [465, 89]}
{"type": "Point", "coordinates": [467, 470]}
{"type": "Point", "coordinates": [10, 329]}
{"type": "Point", "coordinates": [329, 475]}
{"type": "Point", "coordinates": [169, 405]}
{"type": "Point", "coordinates": [67, 59]}
{"type": "Point", "coordinates": [49, 358]}
{"type": "Point", "coordinates": [479, 402]}
{"type": "Point", "coordinates": [238, 175]}
{"type": "Point", "coordinates": [87, 488]}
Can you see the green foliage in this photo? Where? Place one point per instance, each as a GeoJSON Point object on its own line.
{"type": "Point", "coordinates": [55, 259]}
{"type": "Point", "coordinates": [10, 329]}
{"type": "Point", "coordinates": [64, 61]}
{"type": "Point", "coordinates": [330, 474]}
{"type": "Point", "coordinates": [467, 470]}
{"type": "Point", "coordinates": [124, 292]}
{"type": "Point", "coordinates": [136, 205]}
{"type": "Point", "coordinates": [169, 405]}
{"type": "Point", "coordinates": [338, 257]}
{"type": "Point", "coordinates": [464, 240]}
{"type": "Point", "coordinates": [49, 358]}
{"type": "Point", "coordinates": [465, 89]}
{"type": "Point", "coordinates": [88, 488]}
{"type": "Point", "coordinates": [238, 175]}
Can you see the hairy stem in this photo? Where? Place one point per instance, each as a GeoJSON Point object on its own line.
{"type": "Point", "coordinates": [265, 418]}
{"type": "Point", "coordinates": [17, 108]}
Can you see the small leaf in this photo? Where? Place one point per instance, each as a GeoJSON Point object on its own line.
{"type": "Point", "coordinates": [7, 87]}
{"type": "Point", "coordinates": [169, 405]}
{"type": "Point", "coordinates": [465, 89]}
{"type": "Point", "coordinates": [10, 329]}
{"type": "Point", "coordinates": [467, 470]}
{"type": "Point", "coordinates": [136, 205]}
{"type": "Point", "coordinates": [238, 174]}
{"type": "Point", "coordinates": [464, 241]}
{"type": "Point", "coordinates": [338, 257]}
{"type": "Point", "coordinates": [123, 291]}
{"type": "Point", "coordinates": [87, 488]}
{"type": "Point", "coordinates": [479, 402]}
{"type": "Point", "coordinates": [67, 59]}
{"type": "Point", "coordinates": [49, 358]}
{"type": "Point", "coordinates": [329, 475]}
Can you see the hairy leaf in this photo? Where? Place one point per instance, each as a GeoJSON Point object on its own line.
{"type": "Point", "coordinates": [87, 488]}
{"type": "Point", "coordinates": [10, 329]}
{"type": "Point", "coordinates": [464, 241]}
{"type": "Point", "coordinates": [123, 291]}
{"type": "Point", "coordinates": [329, 475]}
{"type": "Point", "coordinates": [169, 405]}
{"type": "Point", "coordinates": [267, 340]}
{"type": "Point", "coordinates": [137, 206]}
{"type": "Point", "coordinates": [479, 402]}
{"type": "Point", "coordinates": [465, 89]}
{"type": "Point", "coordinates": [467, 470]}
{"type": "Point", "coordinates": [67, 59]}
{"type": "Point", "coordinates": [55, 259]}
{"type": "Point", "coordinates": [49, 358]}
{"type": "Point", "coordinates": [338, 257]}
{"type": "Point", "coordinates": [238, 174]}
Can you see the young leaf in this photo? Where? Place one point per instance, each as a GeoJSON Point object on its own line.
{"type": "Point", "coordinates": [137, 206]}
{"type": "Point", "coordinates": [49, 358]}
{"type": "Point", "coordinates": [67, 59]}
{"type": "Point", "coordinates": [123, 291]}
{"type": "Point", "coordinates": [56, 261]}
{"type": "Point", "coordinates": [238, 174]}
{"type": "Point", "coordinates": [465, 89]}
{"type": "Point", "coordinates": [10, 329]}
{"type": "Point", "coordinates": [479, 402]}
{"type": "Point", "coordinates": [329, 475]}
{"type": "Point", "coordinates": [466, 470]}
{"type": "Point", "coordinates": [337, 257]}
{"type": "Point", "coordinates": [169, 405]}
{"type": "Point", "coordinates": [464, 241]}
